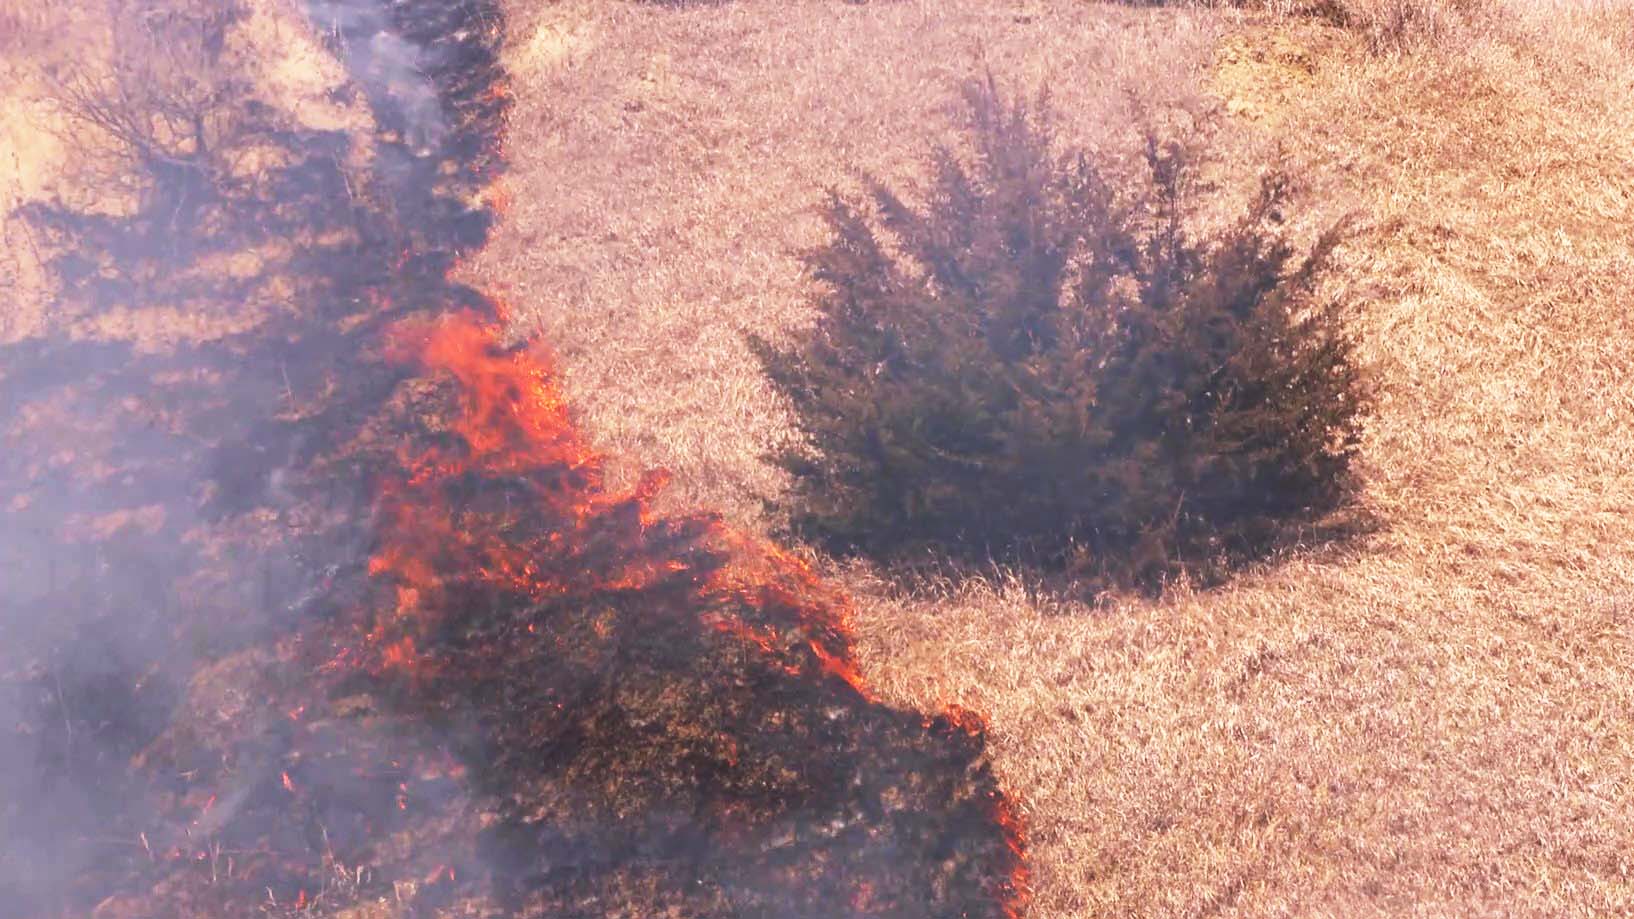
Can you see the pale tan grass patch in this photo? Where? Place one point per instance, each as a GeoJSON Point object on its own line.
{"type": "Point", "coordinates": [32, 39]}
{"type": "Point", "coordinates": [664, 182]}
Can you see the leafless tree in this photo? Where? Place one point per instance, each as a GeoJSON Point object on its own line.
{"type": "Point", "coordinates": [169, 102]}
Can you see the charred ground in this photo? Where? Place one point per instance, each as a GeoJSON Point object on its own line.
{"type": "Point", "coordinates": [324, 605]}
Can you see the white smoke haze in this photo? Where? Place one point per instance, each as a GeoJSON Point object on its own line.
{"type": "Point", "coordinates": [155, 505]}
{"type": "Point", "coordinates": [196, 716]}
{"type": "Point", "coordinates": [392, 68]}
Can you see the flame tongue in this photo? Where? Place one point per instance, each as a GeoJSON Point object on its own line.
{"type": "Point", "coordinates": [544, 695]}
{"type": "Point", "coordinates": [594, 641]}
{"type": "Point", "coordinates": [513, 501]}
{"type": "Point", "coordinates": [513, 419]}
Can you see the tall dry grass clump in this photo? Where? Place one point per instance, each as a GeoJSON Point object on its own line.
{"type": "Point", "coordinates": [1043, 361]}
{"type": "Point", "coordinates": [1396, 24]}
{"type": "Point", "coordinates": [1388, 25]}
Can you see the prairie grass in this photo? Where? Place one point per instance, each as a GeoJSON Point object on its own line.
{"type": "Point", "coordinates": [1433, 719]}
{"type": "Point", "coordinates": [1387, 26]}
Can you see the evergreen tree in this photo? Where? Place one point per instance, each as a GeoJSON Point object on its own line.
{"type": "Point", "coordinates": [1041, 361]}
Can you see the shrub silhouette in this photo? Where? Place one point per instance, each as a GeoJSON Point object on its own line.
{"type": "Point", "coordinates": [1040, 362]}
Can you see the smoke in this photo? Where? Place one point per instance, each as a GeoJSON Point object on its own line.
{"type": "Point", "coordinates": [278, 626]}
{"type": "Point", "coordinates": [93, 507]}
{"type": "Point", "coordinates": [170, 496]}
{"type": "Point", "coordinates": [394, 65]}
{"type": "Point", "coordinates": [392, 69]}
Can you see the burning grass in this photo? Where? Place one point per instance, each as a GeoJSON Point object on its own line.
{"type": "Point", "coordinates": [531, 694]}
{"type": "Point", "coordinates": [549, 702]}
{"type": "Point", "coordinates": [665, 698]}
{"type": "Point", "coordinates": [1432, 720]}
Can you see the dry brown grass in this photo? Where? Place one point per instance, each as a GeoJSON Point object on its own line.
{"type": "Point", "coordinates": [667, 163]}
{"type": "Point", "coordinates": [47, 154]}
{"type": "Point", "coordinates": [31, 153]}
{"type": "Point", "coordinates": [1437, 719]}
{"type": "Point", "coordinates": [1386, 26]}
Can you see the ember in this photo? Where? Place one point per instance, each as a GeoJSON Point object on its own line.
{"type": "Point", "coordinates": [466, 674]}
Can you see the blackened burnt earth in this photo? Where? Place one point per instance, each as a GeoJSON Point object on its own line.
{"type": "Point", "coordinates": [207, 719]}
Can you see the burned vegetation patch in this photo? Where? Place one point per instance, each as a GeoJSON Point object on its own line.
{"type": "Point", "coordinates": [323, 604]}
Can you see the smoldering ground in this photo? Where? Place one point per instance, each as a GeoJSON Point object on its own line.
{"type": "Point", "coordinates": [223, 697]}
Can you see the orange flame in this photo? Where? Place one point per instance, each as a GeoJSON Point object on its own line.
{"type": "Point", "coordinates": [1009, 819]}
{"type": "Point", "coordinates": [512, 425]}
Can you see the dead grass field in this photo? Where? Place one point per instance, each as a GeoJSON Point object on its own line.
{"type": "Point", "coordinates": [48, 155]}
{"type": "Point", "coordinates": [30, 159]}
{"type": "Point", "coordinates": [1435, 719]}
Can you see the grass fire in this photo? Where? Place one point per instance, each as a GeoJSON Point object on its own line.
{"type": "Point", "coordinates": [471, 676]}
{"type": "Point", "coordinates": [810, 458]}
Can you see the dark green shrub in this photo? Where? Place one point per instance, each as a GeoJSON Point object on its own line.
{"type": "Point", "coordinates": [1042, 362]}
